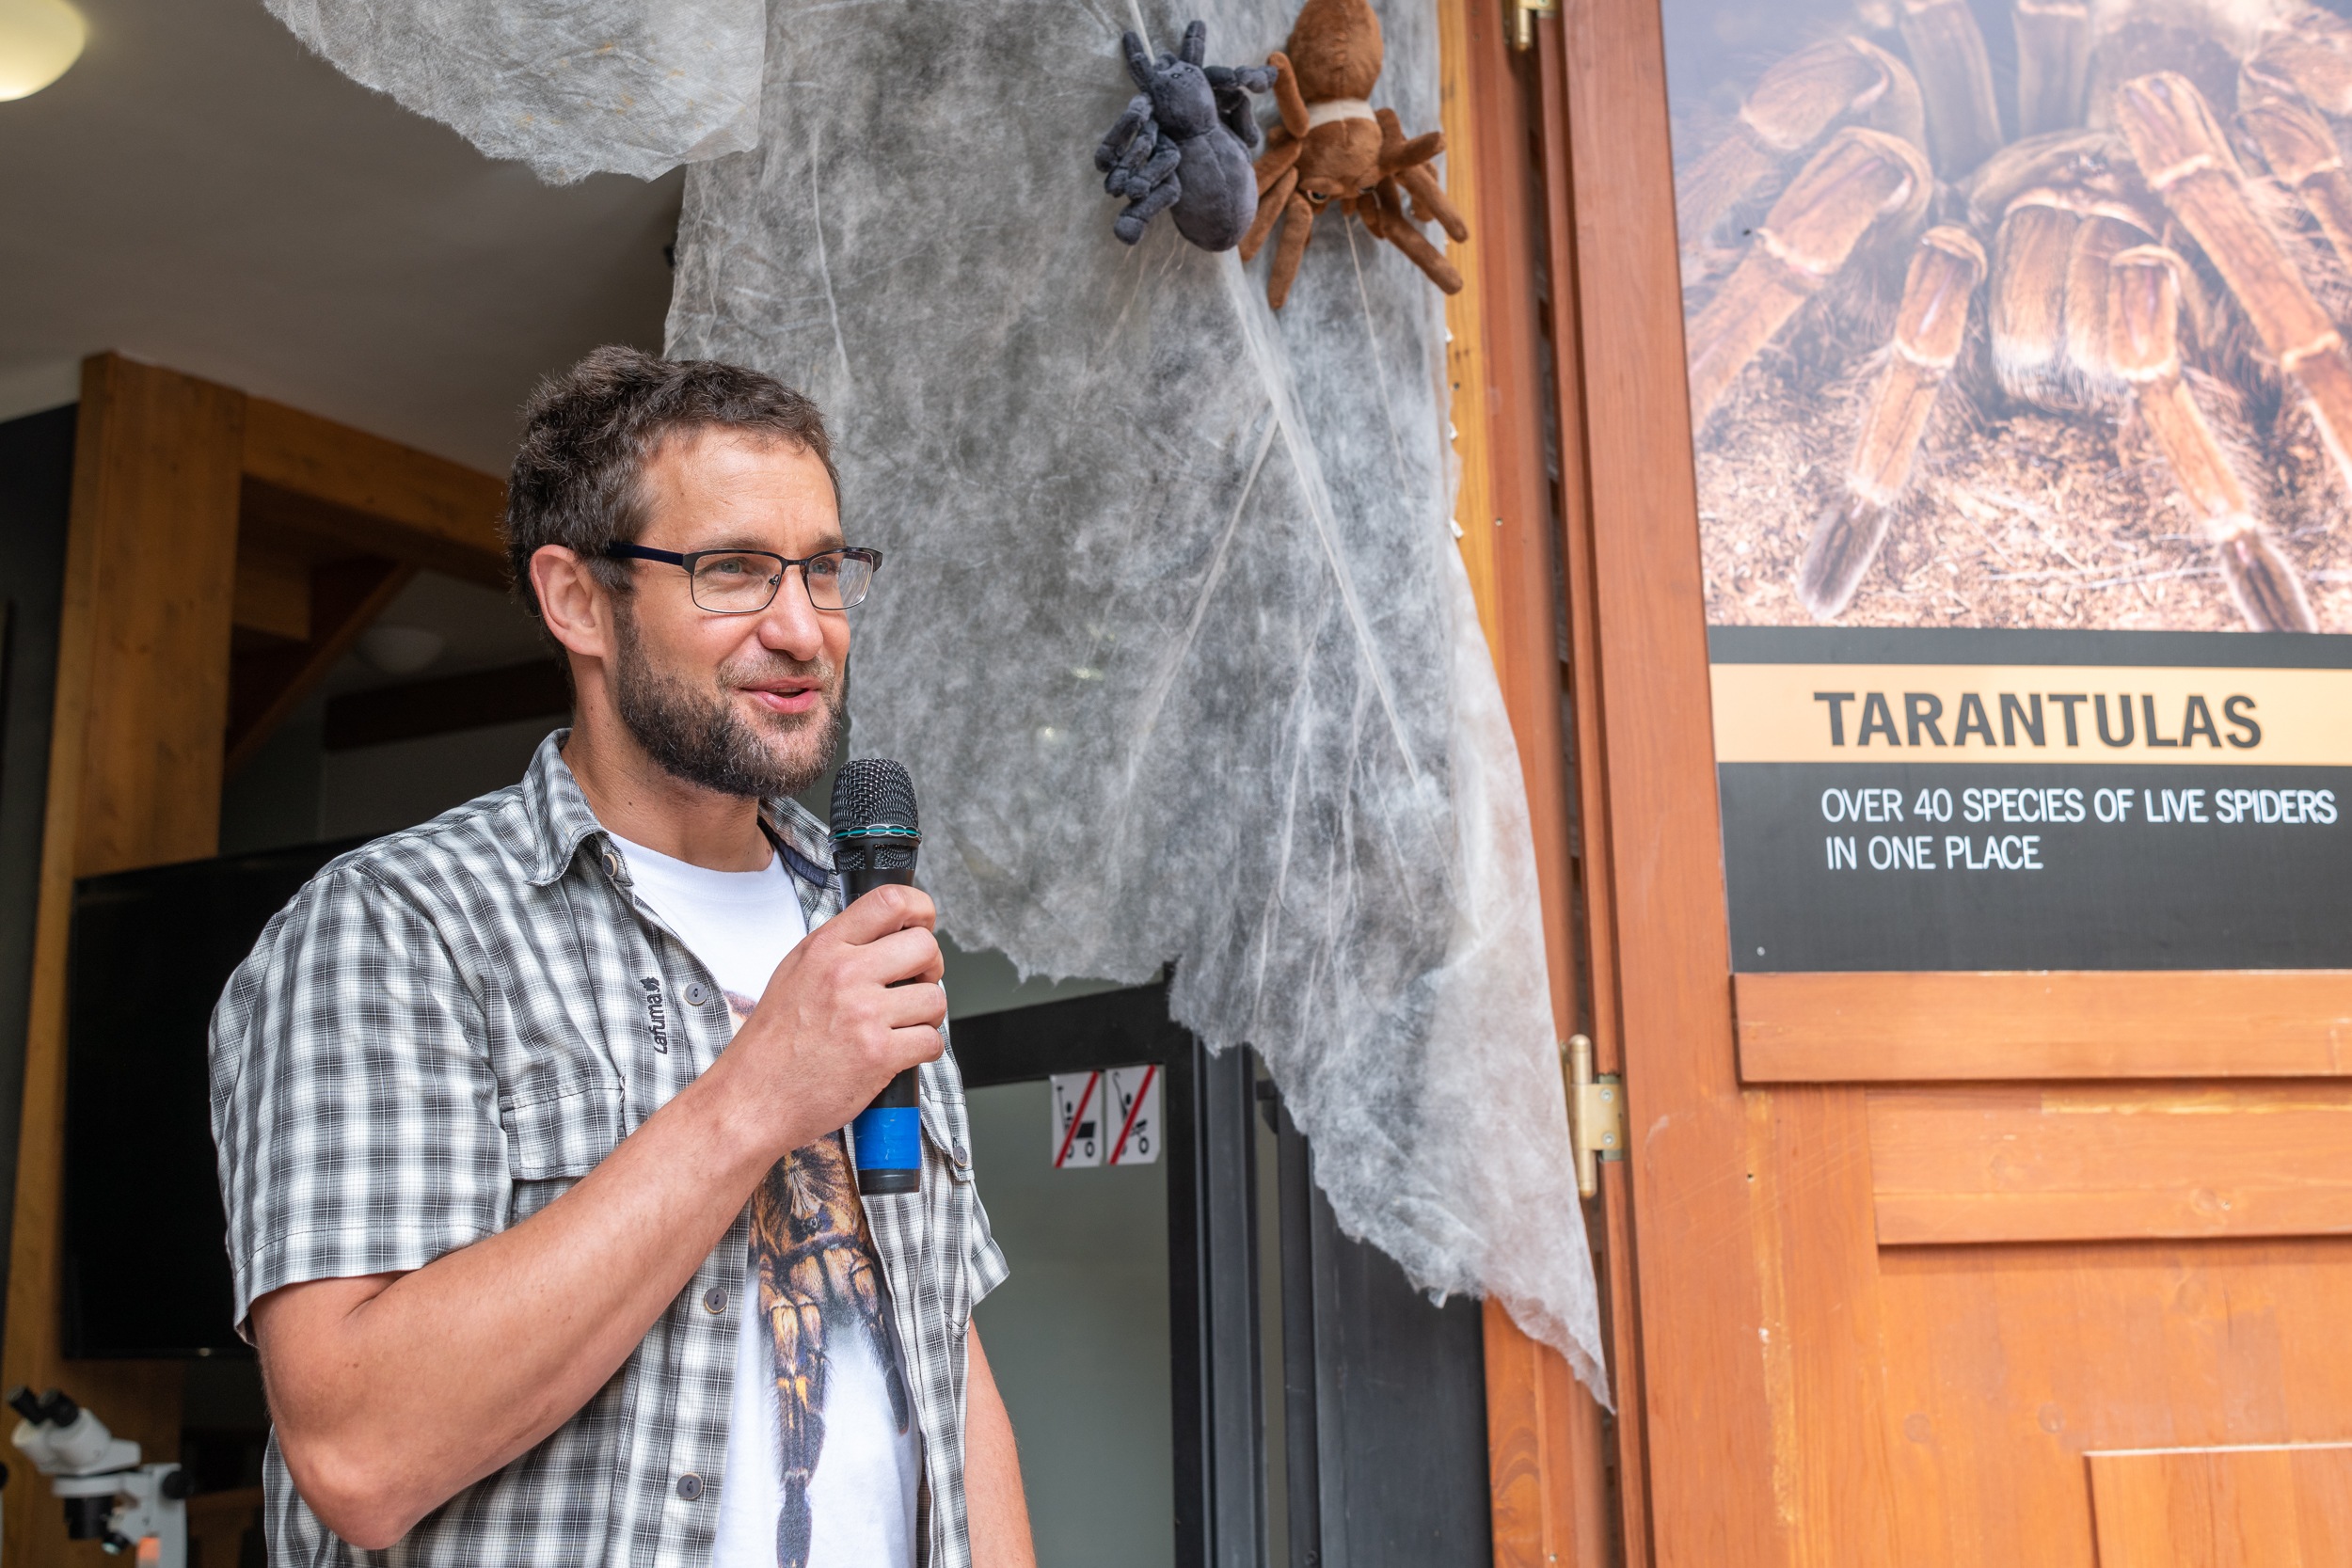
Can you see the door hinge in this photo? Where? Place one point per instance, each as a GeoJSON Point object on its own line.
{"type": "Point", "coordinates": [1596, 1114]}
{"type": "Point", "coordinates": [1524, 13]}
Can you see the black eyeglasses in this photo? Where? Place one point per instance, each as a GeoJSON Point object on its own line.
{"type": "Point", "coordinates": [743, 582]}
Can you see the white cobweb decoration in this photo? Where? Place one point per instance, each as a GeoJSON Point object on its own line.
{"type": "Point", "coordinates": [568, 87]}
{"type": "Point", "coordinates": [1173, 633]}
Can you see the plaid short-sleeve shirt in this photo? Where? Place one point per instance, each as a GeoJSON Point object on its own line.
{"type": "Point", "coordinates": [442, 1033]}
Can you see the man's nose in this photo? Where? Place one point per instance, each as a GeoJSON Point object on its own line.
{"type": "Point", "coordinates": [791, 624]}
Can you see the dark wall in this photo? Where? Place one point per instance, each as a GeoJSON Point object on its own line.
{"type": "Point", "coordinates": [36, 488]}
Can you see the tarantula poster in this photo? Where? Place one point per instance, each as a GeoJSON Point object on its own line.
{"type": "Point", "coordinates": [2019, 312]}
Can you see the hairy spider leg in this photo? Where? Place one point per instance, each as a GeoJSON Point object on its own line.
{"type": "Point", "coordinates": [2302, 151]}
{"type": "Point", "coordinates": [2143, 316]}
{"type": "Point", "coordinates": [1860, 180]}
{"type": "Point", "coordinates": [1930, 326]}
{"type": "Point", "coordinates": [2185, 160]}
{"type": "Point", "coordinates": [1839, 81]}
{"type": "Point", "coordinates": [2053, 64]}
{"type": "Point", "coordinates": [1955, 82]}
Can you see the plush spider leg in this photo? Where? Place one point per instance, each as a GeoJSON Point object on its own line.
{"type": "Point", "coordinates": [1113, 150]}
{"type": "Point", "coordinates": [1930, 328]}
{"type": "Point", "coordinates": [1271, 204]}
{"type": "Point", "coordinates": [2143, 348]}
{"type": "Point", "coordinates": [1417, 248]}
{"type": "Point", "coordinates": [1288, 103]}
{"type": "Point", "coordinates": [2301, 151]}
{"type": "Point", "coordinates": [1281, 156]}
{"type": "Point", "coordinates": [1159, 189]}
{"type": "Point", "coordinates": [1408, 164]}
{"type": "Point", "coordinates": [1195, 49]}
{"type": "Point", "coordinates": [2185, 160]}
{"type": "Point", "coordinates": [1798, 102]}
{"type": "Point", "coordinates": [1298, 227]}
{"type": "Point", "coordinates": [1955, 82]}
{"type": "Point", "coordinates": [1860, 180]}
{"type": "Point", "coordinates": [2053, 64]}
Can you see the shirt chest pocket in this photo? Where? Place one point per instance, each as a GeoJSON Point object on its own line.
{"type": "Point", "coordinates": [554, 1139]}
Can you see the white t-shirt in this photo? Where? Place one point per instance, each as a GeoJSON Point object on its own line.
{"type": "Point", "coordinates": [861, 1498]}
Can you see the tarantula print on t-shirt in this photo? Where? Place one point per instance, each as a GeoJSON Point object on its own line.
{"type": "Point", "coordinates": [818, 1278]}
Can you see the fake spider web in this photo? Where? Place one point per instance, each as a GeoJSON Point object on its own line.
{"type": "Point", "coordinates": [1174, 636]}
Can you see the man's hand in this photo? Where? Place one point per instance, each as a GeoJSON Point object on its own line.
{"type": "Point", "coordinates": [847, 1010]}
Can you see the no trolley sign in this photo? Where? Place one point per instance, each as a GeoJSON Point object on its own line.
{"type": "Point", "coordinates": [1898, 799]}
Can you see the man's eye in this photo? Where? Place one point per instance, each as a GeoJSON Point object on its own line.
{"type": "Point", "coordinates": [734, 565]}
{"type": "Point", "coordinates": [825, 566]}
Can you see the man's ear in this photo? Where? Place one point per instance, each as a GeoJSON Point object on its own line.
{"type": "Point", "coordinates": [577, 607]}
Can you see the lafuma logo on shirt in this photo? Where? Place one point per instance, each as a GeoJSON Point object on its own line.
{"type": "Point", "coordinates": [657, 1017]}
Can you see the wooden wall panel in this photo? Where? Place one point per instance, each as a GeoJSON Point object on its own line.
{"type": "Point", "coordinates": [134, 780]}
{"type": "Point", "coordinates": [2288, 1506]}
{"type": "Point", "coordinates": [2006, 1364]}
{"type": "Point", "coordinates": [2060, 1023]}
{"type": "Point", "coordinates": [2098, 1162]}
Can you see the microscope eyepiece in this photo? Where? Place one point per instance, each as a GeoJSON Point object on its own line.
{"type": "Point", "coordinates": [24, 1401]}
{"type": "Point", "coordinates": [59, 1410]}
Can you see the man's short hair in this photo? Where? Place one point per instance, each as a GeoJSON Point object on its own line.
{"type": "Point", "coordinates": [589, 433]}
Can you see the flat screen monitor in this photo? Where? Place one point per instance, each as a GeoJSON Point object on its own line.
{"type": "Point", "coordinates": [145, 1267]}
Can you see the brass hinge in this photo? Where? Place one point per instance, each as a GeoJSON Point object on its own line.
{"type": "Point", "coordinates": [1596, 1114]}
{"type": "Point", "coordinates": [1525, 12]}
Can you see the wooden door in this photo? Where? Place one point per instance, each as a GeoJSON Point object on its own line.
{"type": "Point", "coordinates": [1949, 1266]}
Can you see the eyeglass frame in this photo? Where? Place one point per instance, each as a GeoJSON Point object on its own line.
{"type": "Point", "coordinates": [687, 560]}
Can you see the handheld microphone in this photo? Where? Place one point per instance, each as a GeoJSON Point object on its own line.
{"type": "Point", "coordinates": [875, 834]}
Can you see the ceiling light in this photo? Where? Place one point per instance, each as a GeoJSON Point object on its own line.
{"type": "Point", "coordinates": [38, 40]}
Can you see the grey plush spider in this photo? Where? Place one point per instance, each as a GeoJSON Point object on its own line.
{"type": "Point", "coordinates": [1186, 144]}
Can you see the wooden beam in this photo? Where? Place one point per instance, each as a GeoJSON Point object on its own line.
{"type": "Point", "coordinates": [372, 495]}
{"type": "Point", "coordinates": [478, 698]}
{"type": "Point", "coordinates": [1545, 1461]}
{"type": "Point", "coordinates": [1909, 1027]}
{"type": "Point", "coordinates": [346, 596]}
{"type": "Point", "coordinates": [134, 780]}
{"type": "Point", "coordinates": [273, 593]}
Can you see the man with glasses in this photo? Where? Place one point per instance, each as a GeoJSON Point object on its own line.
{"type": "Point", "coordinates": [529, 1118]}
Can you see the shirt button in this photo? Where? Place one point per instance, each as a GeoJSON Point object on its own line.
{"type": "Point", "coordinates": [696, 993]}
{"type": "Point", "coordinates": [689, 1486]}
{"type": "Point", "coordinates": [963, 1155]}
{"type": "Point", "coordinates": [715, 1299]}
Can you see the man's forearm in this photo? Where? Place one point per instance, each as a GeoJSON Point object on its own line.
{"type": "Point", "coordinates": [996, 1508]}
{"type": "Point", "coordinates": [413, 1386]}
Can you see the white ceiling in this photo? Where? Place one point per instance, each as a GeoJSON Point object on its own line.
{"type": "Point", "coordinates": [200, 192]}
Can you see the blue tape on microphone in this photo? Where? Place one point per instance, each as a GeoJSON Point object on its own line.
{"type": "Point", "coordinates": [888, 1137]}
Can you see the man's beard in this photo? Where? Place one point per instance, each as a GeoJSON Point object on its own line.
{"type": "Point", "coordinates": [700, 737]}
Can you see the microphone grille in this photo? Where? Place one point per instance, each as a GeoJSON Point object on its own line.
{"type": "Point", "coordinates": [870, 793]}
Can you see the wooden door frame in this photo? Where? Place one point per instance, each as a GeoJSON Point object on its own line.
{"type": "Point", "coordinates": [193, 505]}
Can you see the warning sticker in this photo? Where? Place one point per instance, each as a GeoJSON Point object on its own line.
{"type": "Point", "coordinates": [1134, 1094]}
{"type": "Point", "coordinates": [1078, 1117]}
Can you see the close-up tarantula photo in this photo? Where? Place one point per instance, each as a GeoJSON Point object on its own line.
{"type": "Point", "coordinates": [2019, 312]}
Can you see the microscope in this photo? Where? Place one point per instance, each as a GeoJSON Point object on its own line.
{"type": "Point", "coordinates": [109, 1496]}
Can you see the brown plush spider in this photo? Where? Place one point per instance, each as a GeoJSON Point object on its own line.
{"type": "Point", "coordinates": [1333, 146]}
{"type": "Point", "coordinates": [2132, 262]}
